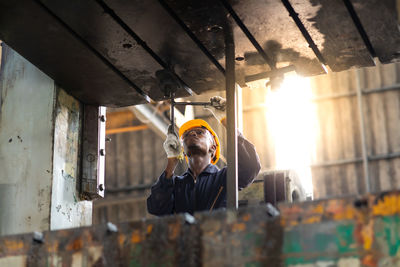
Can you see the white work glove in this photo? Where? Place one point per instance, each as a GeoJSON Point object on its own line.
{"type": "Point", "coordinates": [172, 145]}
{"type": "Point", "coordinates": [218, 107]}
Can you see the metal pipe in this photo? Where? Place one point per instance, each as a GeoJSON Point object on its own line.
{"type": "Point", "coordinates": [192, 36]}
{"type": "Point", "coordinates": [149, 115]}
{"type": "Point", "coordinates": [355, 160]}
{"type": "Point", "coordinates": [248, 34]}
{"type": "Point", "coordinates": [232, 171]}
{"type": "Point", "coordinates": [127, 129]}
{"type": "Point", "coordinates": [172, 111]}
{"type": "Point", "coordinates": [192, 103]}
{"type": "Point", "coordinates": [336, 163]}
{"type": "Point", "coordinates": [269, 74]}
{"type": "Point", "coordinates": [94, 51]}
{"type": "Point", "coordinates": [362, 130]}
{"type": "Point", "coordinates": [393, 87]}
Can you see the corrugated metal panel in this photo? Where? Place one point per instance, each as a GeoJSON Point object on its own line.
{"type": "Point", "coordinates": [340, 137]}
{"type": "Point", "coordinates": [337, 166]}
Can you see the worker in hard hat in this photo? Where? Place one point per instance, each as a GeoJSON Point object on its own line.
{"type": "Point", "coordinates": [203, 186]}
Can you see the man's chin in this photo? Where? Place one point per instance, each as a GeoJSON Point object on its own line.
{"type": "Point", "coordinates": [195, 150]}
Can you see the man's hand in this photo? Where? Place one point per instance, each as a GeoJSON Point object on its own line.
{"type": "Point", "coordinates": [172, 145]}
{"type": "Point", "coordinates": [218, 107]}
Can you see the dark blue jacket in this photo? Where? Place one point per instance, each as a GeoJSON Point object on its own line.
{"type": "Point", "coordinates": [183, 194]}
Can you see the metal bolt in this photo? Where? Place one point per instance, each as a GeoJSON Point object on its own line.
{"type": "Point", "coordinates": [38, 237]}
{"type": "Point", "coordinates": [189, 218]}
{"type": "Point", "coordinates": [112, 227]}
{"type": "Point", "coordinates": [108, 139]}
{"type": "Point", "coordinates": [102, 152]}
{"type": "Point", "coordinates": [101, 187]}
{"type": "Point", "coordinates": [102, 118]}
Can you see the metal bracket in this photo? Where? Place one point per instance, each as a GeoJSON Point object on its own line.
{"type": "Point", "coordinates": [93, 151]}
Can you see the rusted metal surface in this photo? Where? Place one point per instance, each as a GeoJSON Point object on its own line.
{"type": "Point", "coordinates": [334, 32]}
{"type": "Point", "coordinates": [385, 17]}
{"type": "Point", "coordinates": [290, 48]}
{"type": "Point", "coordinates": [55, 50]}
{"type": "Point", "coordinates": [359, 231]}
{"type": "Point", "coordinates": [119, 44]}
{"type": "Point", "coordinates": [67, 210]}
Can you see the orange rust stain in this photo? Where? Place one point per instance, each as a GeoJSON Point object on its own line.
{"type": "Point", "coordinates": [13, 245]}
{"type": "Point", "coordinates": [388, 206]}
{"type": "Point", "coordinates": [136, 238]}
{"type": "Point", "coordinates": [174, 230]}
{"type": "Point", "coordinates": [369, 261]}
{"type": "Point", "coordinates": [312, 219]}
{"type": "Point", "coordinates": [77, 244]}
{"type": "Point", "coordinates": [367, 234]}
{"type": "Point", "coordinates": [246, 217]}
{"type": "Point", "coordinates": [346, 213]}
{"type": "Point", "coordinates": [236, 227]}
{"type": "Point", "coordinates": [121, 240]}
{"type": "Point", "coordinates": [149, 228]}
{"type": "Point", "coordinates": [319, 209]}
{"type": "Point", "coordinates": [292, 210]}
{"type": "Point", "coordinates": [52, 248]}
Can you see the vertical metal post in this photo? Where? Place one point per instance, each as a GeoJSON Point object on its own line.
{"type": "Point", "coordinates": [93, 151]}
{"type": "Point", "coordinates": [362, 130]}
{"type": "Point", "coordinates": [231, 124]}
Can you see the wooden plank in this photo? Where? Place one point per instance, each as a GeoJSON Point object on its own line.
{"type": "Point", "coordinates": [148, 161]}
{"type": "Point", "coordinates": [334, 32]}
{"type": "Point", "coordinates": [382, 30]}
{"type": "Point", "coordinates": [121, 162]}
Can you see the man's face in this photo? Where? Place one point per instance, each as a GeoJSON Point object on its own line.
{"type": "Point", "coordinates": [198, 141]}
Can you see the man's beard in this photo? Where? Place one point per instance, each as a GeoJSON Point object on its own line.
{"type": "Point", "coordinates": [195, 149]}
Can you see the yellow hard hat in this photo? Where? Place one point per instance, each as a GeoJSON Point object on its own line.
{"type": "Point", "coordinates": [201, 123]}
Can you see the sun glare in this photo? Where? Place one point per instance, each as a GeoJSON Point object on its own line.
{"type": "Point", "coordinates": [291, 120]}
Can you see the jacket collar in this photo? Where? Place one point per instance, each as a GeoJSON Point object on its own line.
{"type": "Point", "coordinates": [211, 168]}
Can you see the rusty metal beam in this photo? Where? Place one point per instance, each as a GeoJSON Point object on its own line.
{"type": "Point", "coordinates": [353, 231]}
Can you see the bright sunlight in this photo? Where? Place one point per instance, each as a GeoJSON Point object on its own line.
{"type": "Point", "coordinates": [291, 119]}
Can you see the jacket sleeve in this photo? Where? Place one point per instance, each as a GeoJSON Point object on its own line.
{"type": "Point", "coordinates": [161, 199]}
{"type": "Point", "coordinates": [248, 162]}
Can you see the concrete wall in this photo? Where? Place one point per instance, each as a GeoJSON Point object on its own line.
{"type": "Point", "coordinates": [66, 209]}
{"type": "Point", "coordinates": [39, 129]}
{"type": "Point", "coordinates": [26, 135]}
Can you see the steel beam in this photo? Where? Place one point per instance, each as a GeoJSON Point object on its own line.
{"type": "Point", "coordinates": [231, 123]}
{"type": "Point", "coordinates": [93, 151]}
{"type": "Point", "coordinates": [364, 145]}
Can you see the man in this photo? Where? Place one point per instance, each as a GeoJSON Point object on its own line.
{"type": "Point", "coordinates": [203, 186]}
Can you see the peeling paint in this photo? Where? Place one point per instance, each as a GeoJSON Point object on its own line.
{"type": "Point", "coordinates": [247, 237]}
